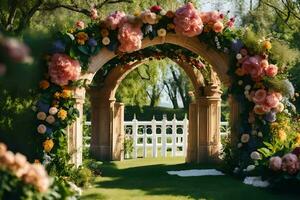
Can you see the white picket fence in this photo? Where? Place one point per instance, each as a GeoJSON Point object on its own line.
{"type": "Point", "coordinates": [157, 138]}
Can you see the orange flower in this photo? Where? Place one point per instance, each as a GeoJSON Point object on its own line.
{"type": "Point", "coordinates": [66, 94]}
{"type": "Point", "coordinates": [56, 95]}
{"type": "Point", "coordinates": [281, 135]}
{"type": "Point", "coordinates": [170, 14]}
{"type": "Point", "coordinates": [81, 38]}
{"type": "Point", "coordinates": [48, 145]}
{"type": "Point", "coordinates": [37, 161]}
{"type": "Point", "coordinates": [62, 114]}
{"type": "Point", "coordinates": [267, 45]}
{"type": "Point", "coordinates": [104, 32]}
{"type": "Point", "coordinates": [240, 71]}
{"type": "Point", "coordinates": [44, 84]}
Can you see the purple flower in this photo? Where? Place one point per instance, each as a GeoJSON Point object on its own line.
{"type": "Point", "coordinates": [43, 107]}
{"type": "Point", "coordinates": [237, 45]}
{"type": "Point", "coordinates": [271, 117]}
{"type": "Point", "coordinates": [58, 47]}
{"type": "Point", "coordinates": [92, 42]}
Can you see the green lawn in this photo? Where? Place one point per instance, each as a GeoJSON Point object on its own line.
{"type": "Point", "coordinates": [147, 179]}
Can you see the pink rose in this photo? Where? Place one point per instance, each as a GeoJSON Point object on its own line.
{"type": "Point", "coordinates": [264, 64]}
{"type": "Point", "coordinates": [187, 21]}
{"type": "Point", "coordinates": [259, 96]}
{"type": "Point", "coordinates": [272, 100]}
{"type": "Point", "coordinates": [130, 37]}
{"type": "Point", "coordinates": [278, 95]}
{"type": "Point", "coordinates": [252, 67]}
{"type": "Point", "coordinates": [114, 19]}
{"type": "Point", "coordinates": [275, 163]}
{"type": "Point", "coordinates": [79, 24]}
{"type": "Point", "coordinates": [7, 159]}
{"type": "Point", "coordinates": [261, 109]}
{"type": "Point", "coordinates": [218, 27]}
{"type": "Point", "coordinates": [149, 17]}
{"type": "Point", "coordinates": [210, 17]}
{"type": "Point", "coordinates": [272, 70]}
{"type": "Point", "coordinates": [63, 69]}
{"type": "Point", "coordinates": [290, 163]}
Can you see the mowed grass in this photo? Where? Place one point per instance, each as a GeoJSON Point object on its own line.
{"type": "Point", "coordinates": [145, 179]}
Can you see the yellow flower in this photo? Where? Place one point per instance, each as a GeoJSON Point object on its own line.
{"type": "Point", "coordinates": [44, 84]}
{"type": "Point", "coordinates": [66, 94]}
{"type": "Point", "coordinates": [62, 114]}
{"type": "Point", "coordinates": [56, 95]}
{"type": "Point", "coordinates": [297, 140]}
{"type": "Point", "coordinates": [267, 45]}
{"type": "Point", "coordinates": [281, 135]}
{"type": "Point", "coordinates": [104, 32]}
{"type": "Point", "coordinates": [71, 30]}
{"type": "Point", "coordinates": [137, 13]}
{"type": "Point", "coordinates": [81, 38]}
{"type": "Point", "coordinates": [48, 145]}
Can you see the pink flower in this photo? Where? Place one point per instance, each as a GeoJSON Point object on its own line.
{"type": "Point", "coordinates": [149, 17]}
{"type": "Point", "coordinates": [210, 17]}
{"type": "Point", "coordinates": [94, 14]}
{"type": "Point", "coordinates": [272, 70]}
{"type": "Point", "coordinates": [275, 163]}
{"type": "Point", "coordinates": [3, 149]}
{"type": "Point", "coordinates": [290, 163]}
{"type": "Point", "coordinates": [218, 27]}
{"type": "Point", "coordinates": [7, 159]}
{"type": "Point", "coordinates": [252, 67]}
{"type": "Point", "coordinates": [16, 50]}
{"type": "Point", "coordinates": [259, 96]}
{"type": "Point", "coordinates": [261, 109]}
{"type": "Point", "coordinates": [130, 37]}
{"type": "Point", "coordinates": [79, 24]}
{"type": "Point", "coordinates": [230, 24]}
{"type": "Point", "coordinates": [63, 69]}
{"type": "Point", "coordinates": [272, 100]}
{"type": "Point", "coordinates": [187, 21]}
{"type": "Point", "coordinates": [264, 64]}
{"type": "Point", "coordinates": [114, 19]}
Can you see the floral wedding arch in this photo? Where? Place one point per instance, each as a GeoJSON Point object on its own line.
{"type": "Point", "coordinates": [259, 88]}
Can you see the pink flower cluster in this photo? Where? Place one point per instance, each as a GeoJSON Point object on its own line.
{"type": "Point", "coordinates": [149, 17]}
{"type": "Point", "coordinates": [63, 69]}
{"type": "Point", "coordinates": [213, 18]}
{"type": "Point", "coordinates": [256, 66]}
{"type": "Point", "coordinates": [130, 37]}
{"type": "Point", "coordinates": [288, 163]}
{"type": "Point", "coordinates": [17, 164]}
{"type": "Point", "coordinates": [16, 50]}
{"type": "Point", "coordinates": [114, 20]}
{"type": "Point", "coordinates": [188, 21]}
{"type": "Point", "coordinates": [265, 101]}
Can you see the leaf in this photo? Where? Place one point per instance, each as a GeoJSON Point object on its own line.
{"type": "Point", "coordinates": [84, 50]}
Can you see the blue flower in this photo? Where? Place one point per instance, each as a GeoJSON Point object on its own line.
{"type": "Point", "coordinates": [270, 117]}
{"type": "Point", "coordinates": [148, 29]}
{"type": "Point", "coordinates": [92, 42]}
{"type": "Point", "coordinates": [58, 47]}
{"type": "Point", "coordinates": [43, 107]}
{"type": "Point", "coordinates": [236, 45]}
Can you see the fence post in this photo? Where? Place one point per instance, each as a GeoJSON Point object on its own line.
{"type": "Point", "coordinates": [163, 136]}
{"type": "Point", "coordinates": [185, 134]}
{"type": "Point", "coordinates": [144, 141]}
{"type": "Point", "coordinates": [154, 138]}
{"type": "Point", "coordinates": [134, 133]}
{"type": "Point", "coordinates": [174, 136]}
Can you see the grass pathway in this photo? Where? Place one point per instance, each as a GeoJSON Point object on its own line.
{"type": "Point", "coordinates": [145, 179]}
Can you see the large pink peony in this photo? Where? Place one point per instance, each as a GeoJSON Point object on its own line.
{"type": "Point", "coordinates": [130, 37]}
{"type": "Point", "coordinates": [272, 100]}
{"type": "Point", "coordinates": [259, 96]}
{"type": "Point", "coordinates": [187, 21]}
{"type": "Point", "coordinates": [272, 70]}
{"type": "Point", "coordinates": [290, 163]}
{"type": "Point", "coordinates": [113, 20]}
{"type": "Point", "coordinates": [252, 67]}
{"type": "Point", "coordinates": [63, 69]}
{"type": "Point", "coordinates": [275, 163]}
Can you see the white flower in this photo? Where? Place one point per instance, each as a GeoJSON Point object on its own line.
{"type": "Point", "coordinates": [106, 41]}
{"type": "Point", "coordinates": [260, 134]}
{"type": "Point", "coordinates": [250, 168]}
{"type": "Point", "coordinates": [50, 119]}
{"type": "Point", "coordinates": [239, 145]}
{"type": "Point", "coordinates": [41, 116]}
{"type": "Point", "coordinates": [240, 82]}
{"type": "Point", "coordinates": [41, 129]}
{"type": "Point", "coordinates": [246, 93]}
{"type": "Point", "coordinates": [53, 110]}
{"type": "Point", "coordinates": [255, 155]}
{"type": "Point", "coordinates": [280, 107]}
{"type": "Point", "coordinates": [162, 32]}
{"type": "Point", "coordinates": [245, 138]}
{"type": "Point", "coordinates": [247, 87]}
{"type": "Point", "coordinates": [239, 56]}
{"type": "Point", "coordinates": [163, 12]}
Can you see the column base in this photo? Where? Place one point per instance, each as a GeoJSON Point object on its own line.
{"type": "Point", "coordinates": [101, 152]}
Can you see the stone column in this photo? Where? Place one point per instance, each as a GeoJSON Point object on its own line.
{"type": "Point", "coordinates": [118, 134]}
{"type": "Point", "coordinates": [75, 131]}
{"type": "Point", "coordinates": [204, 128]}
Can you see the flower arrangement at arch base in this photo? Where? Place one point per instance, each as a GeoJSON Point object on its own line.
{"type": "Point", "coordinates": [258, 76]}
